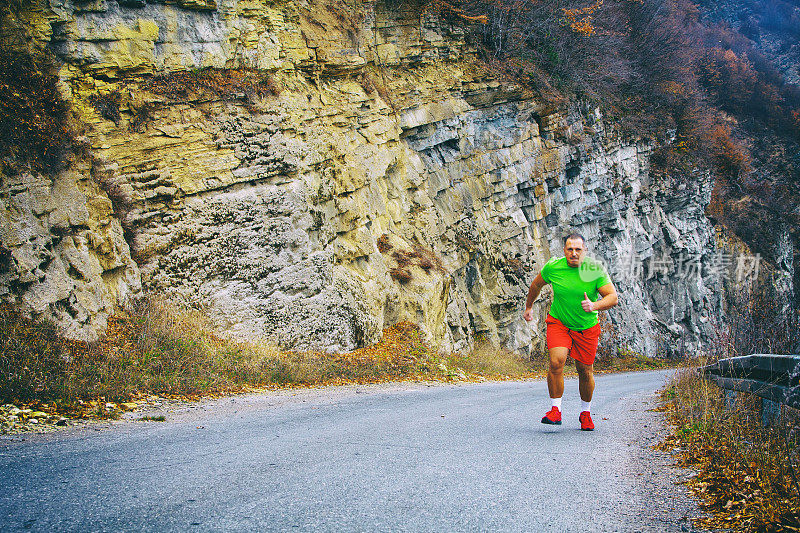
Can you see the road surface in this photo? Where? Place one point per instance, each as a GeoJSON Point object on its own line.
{"type": "Point", "coordinates": [401, 457]}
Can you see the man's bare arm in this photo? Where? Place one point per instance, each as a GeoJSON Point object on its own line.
{"type": "Point", "coordinates": [533, 292]}
{"type": "Point", "coordinates": [609, 299]}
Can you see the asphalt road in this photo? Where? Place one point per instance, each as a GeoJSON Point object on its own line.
{"type": "Point", "coordinates": [407, 457]}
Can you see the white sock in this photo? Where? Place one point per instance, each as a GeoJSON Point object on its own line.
{"type": "Point", "coordinates": [586, 406]}
{"type": "Point", "coordinates": [556, 402]}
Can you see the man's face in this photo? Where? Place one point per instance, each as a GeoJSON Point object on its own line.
{"type": "Point", "coordinates": [573, 251]}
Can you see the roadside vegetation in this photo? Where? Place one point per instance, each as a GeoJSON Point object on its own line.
{"type": "Point", "coordinates": [156, 347]}
{"type": "Point", "coordinates": [748, 474]}
{"type": "Point", "coordinates": [747, 477]}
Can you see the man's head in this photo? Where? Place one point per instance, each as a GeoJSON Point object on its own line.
{"type": "Point", "coordinates": [574, 249]}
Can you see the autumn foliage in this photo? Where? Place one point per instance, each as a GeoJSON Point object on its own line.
{"type": "Point", "coordinates": [35, 129]}
{"type": "Point", "coordinates": [747, 477]}
{"type": "Point", "coordinates": [702, 80]}
{"type": "Point", "coordinates": [213, 82]}
{"type": "Point", "coordinates": [159, 347]}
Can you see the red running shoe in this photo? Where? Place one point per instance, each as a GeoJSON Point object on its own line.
{"type": "Point", "coordinates": [586, 421]}
{"type": "Point", "coordinates": [553, 416]}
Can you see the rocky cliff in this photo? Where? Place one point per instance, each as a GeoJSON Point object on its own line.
{"type": "Point", "coordinates": [375, 172]}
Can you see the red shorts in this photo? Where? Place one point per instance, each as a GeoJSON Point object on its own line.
{"type": "Point", "coordinates": [582, 345]}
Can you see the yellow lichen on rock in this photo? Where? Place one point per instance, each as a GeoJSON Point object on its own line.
{"type": "Point", "coordinates": [29, 27]}
{"type": "Point", "coordinates": [133, 48]}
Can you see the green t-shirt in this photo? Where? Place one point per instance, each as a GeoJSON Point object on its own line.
{"type": "Point", "coordinates": [569, 284]}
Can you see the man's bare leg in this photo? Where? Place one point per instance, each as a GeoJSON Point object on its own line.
{"type": "Point", "coordinates": [586, 387]}
{"type": "Point", "coordinates": [555, 384]}
{"type": "Point", "coordinates": [555, 375]}
{"type": "Point", "coordinates": [585, 381]}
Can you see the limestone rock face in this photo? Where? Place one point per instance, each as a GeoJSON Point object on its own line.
{"type": "Point", "coordinates": [392, 178]}
{"type": "Point", "coordinates": [63, 255]}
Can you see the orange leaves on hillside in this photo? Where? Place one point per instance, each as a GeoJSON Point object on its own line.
{"type": "Point", "coordinates": [708, 134]}
{"type": "Point", "coordinates": [743, 84]}
{"type": "Point", "coordinates": [580, 19]}
{"type": "Point", "coordinates": [442, 6]}
{"type": "Point", "coordinates": [730, 75]}
{"type": "Point", "coordinates": [796, 121]}
{"type": "Point", "coordinates": [730, 154]}
{"type": "Point", "coordinates": [673, 87]}
{"type": "Point", "coordinates": [482, 19]}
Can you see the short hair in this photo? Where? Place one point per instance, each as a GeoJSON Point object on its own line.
{"type": "Point", "coordinates": [574, 236]}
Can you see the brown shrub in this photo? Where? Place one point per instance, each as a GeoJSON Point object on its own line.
{"type": "Point", "coordinates": [107, 105]}
{"type": "Point", "coordinates": [35, 127]}
{"type": "Point", "coordinates": [427, 257]}
{"type": "Point", "coordinates": [400, 274]}
{"type": "Point", "coordinates": [403, 258]}
{"type": "Point", "coordinates": [227, 84]}
{"type": "Point", "coordinates": [729, 156]}
{"type": "Point", "coordinates": [383, 244]}
{"type": "Point", "coordinates": [426, 264]}
{"type": "Point", "coordinates": [140, 115]}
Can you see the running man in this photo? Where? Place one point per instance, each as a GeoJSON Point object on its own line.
{"type": "Point", "coordinates": [572, 325]}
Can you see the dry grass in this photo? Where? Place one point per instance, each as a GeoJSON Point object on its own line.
{"type": "Point", "coordinates": [746, 472]}
{"type": "Point", "coordinates": [496, 363]}
{"type": "Point", "coordinates": [628, 361]}
{"type": "Point", "coordinates": [31, 354]}
{"type": "Point", "coordinates": [157, 347]}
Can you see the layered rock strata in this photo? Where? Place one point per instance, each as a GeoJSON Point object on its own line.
{"type": "Point", "coordinates": [391, 178]}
